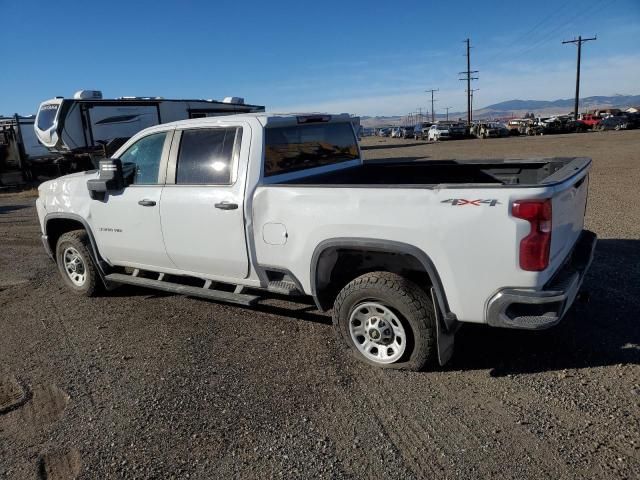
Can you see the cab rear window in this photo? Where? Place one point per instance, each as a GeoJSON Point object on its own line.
{"type": "Point", "coordinates": [299, 147]}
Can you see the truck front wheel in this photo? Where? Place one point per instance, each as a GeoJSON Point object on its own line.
{"type": "Point", "coordinates": [75, 263]}
{"type": "Point", "coordinates": [387, 321]}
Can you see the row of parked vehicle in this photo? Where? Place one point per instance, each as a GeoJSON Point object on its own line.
{"type": "Point", "coordinates": [567, 124]}
{"type": "Point", "coordinates": [444, 130]}
{"type": "Point", "coordinates": [427, 131]}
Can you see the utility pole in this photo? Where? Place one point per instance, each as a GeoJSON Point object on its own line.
{"type": "Point", "coordinates": [578, 41]}
{"type": "Point", "coordinates": [447, 109]}
{"type": "Point", "coordinates": [468, 76]}
{"type": "Point", "coordinates": [471, 96]}
{"type": "Point", "coordinates": [433, 112]}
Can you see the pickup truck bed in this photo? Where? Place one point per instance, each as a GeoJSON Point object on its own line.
{"type": "Point", "coordinates": [389, 173]}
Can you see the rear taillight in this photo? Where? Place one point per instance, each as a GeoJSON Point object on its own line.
{"type": "Point", "coordinates": [534, 248]}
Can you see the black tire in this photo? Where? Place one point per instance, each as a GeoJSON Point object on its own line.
{"type": "Point", "coordinates": [78, 240]}
{"type": "Point", "coordinates": [410, 303]}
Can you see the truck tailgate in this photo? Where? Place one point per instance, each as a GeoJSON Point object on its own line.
{"type": "Point", "coordinates": [568, 207]}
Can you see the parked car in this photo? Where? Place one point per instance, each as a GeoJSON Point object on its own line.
{"type": "Point", "coordinates": [456, 129]}
{"type": "Point", "coordinates": [576, 126]}
{"type": "Point", "coordinates": [591, 120]}
{"type": "Point", "coordinates": [438, 132]}
{"type": "Point", "coordinates": [421, 130]}
{"type": "Point", "coordinates": [384, 132]}
{"type": "Point", "coordinates": [489, 130]}
{"type": "Point", "coordinates": [408, 132]}
{"type": "Point", "coordinates": [514, 125]}
{"type": "Point", "coordinates": [499, 242]}
{"type": "Point", "coordinates": [561, 124]}
{"type": "Point", "coordinates": [530, 127]}
{"type": "Point", "coordinates": [634, 119]}
{"type": "Point", "coordinates": [620, 122]}
{"type": "Point", "coordinates": [397, 133]}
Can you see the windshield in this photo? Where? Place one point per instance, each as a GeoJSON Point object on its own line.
{"type": "Point", "coordinates": [47, 115]}
{"type": "Point", "coordinates": [288, 149]}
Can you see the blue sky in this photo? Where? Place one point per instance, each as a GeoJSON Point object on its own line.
{"type": "Point", "coordinates": [373, 57]}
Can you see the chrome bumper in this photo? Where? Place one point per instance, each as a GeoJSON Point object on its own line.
{"type": "Point", "coordinates": [536, 310]}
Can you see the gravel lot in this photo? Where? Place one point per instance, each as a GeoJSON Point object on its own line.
{"type": "Point", "coordinates": [139, 384]}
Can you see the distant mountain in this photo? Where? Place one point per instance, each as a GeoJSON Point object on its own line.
{"type": "Point", "coordinates": [559, 106]}
{"type": "Point", "coordinates": [517, 108]}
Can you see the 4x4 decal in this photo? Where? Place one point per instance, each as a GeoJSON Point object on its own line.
{"type": "Point", "coordinates": [492, 202]}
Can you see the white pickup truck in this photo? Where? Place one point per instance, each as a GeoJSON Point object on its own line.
{"type": "Point", "coordinates": [231, 208]}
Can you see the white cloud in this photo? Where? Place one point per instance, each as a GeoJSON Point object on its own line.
{"type": "Point", "coordinates": [523, 80]}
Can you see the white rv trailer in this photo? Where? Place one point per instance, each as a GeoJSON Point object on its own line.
{"type": "Point", "coordinates": [87, 127]}
{"type": "Point", "coordinates": [20, 151]}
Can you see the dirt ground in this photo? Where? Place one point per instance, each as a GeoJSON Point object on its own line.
{"type": "Point", "coordinates": [139, 384]}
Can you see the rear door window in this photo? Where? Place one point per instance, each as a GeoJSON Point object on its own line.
{"type": "Point", "coordinates": [206, 156]}
{"type": "Point", "coordinates": [298, 147]}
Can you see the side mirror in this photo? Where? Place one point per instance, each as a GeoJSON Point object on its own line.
{"type": "Point", "coordinates": [110, 178]}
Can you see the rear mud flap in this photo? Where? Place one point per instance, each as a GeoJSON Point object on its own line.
{"type": "Point", "coordinates": [445, 334]}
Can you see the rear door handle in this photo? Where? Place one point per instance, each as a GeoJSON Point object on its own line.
{"type": "Point", "coordinates": [226, 206]}
{"type": "Point", "coordinates": [147, 203]}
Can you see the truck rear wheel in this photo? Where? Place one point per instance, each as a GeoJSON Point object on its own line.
{"type": "Point", "coordinates": [387, 321]}
{"type": "Point", "coordinates": [75, 263]}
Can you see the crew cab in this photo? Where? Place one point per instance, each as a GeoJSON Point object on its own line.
{"type": "Point", "coordinates": [241, 207]}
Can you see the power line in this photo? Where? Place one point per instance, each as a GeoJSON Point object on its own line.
{"type": "Point", "coordinates": [447, 109]}
{"type": "Point", "coordinates": [433, 112]}
{"type": "Point", "coordinates": [578, 41]}
{"type": "Point", "coordinates": [468, 76]}
{"type": "Point", "coordinates": [528, 33]}
{"type": "Point", "coordinates": [548, 36]}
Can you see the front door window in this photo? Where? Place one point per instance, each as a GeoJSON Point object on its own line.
{"type": "Point", "coordinates": [146, 155]}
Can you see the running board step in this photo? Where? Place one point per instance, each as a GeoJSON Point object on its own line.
{"type": "Point", "coordinates": [283, 287]}
{"type": "Point", "coordinates": [219, 295]}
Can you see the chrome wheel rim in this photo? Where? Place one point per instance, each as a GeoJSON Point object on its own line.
{"type": "Point", "coordinates": [74, 266]}
{"type": "Point", "coordinates": [377, 332]}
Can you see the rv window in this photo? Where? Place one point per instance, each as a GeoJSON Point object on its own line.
{"type": "Point", "coordinates": [146, 154]}
{"type": "Point", "coordinates": [205, 156]}
{"type": "Point", "coordinates": [46, 116]}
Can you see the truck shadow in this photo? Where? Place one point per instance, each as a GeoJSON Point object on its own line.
{"type": "Point", "coordinates": [604, 331]}
{"type": "Point", "coordinates": [12, 208]}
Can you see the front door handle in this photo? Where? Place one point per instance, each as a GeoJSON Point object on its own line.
{"type": "Point", "coordinates": [226, 206]}
{"type": "Point", "coordinates": [147, 203]}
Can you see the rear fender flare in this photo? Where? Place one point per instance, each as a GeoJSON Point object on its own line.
{"type": "Point", "coordinates": [389, 246]}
